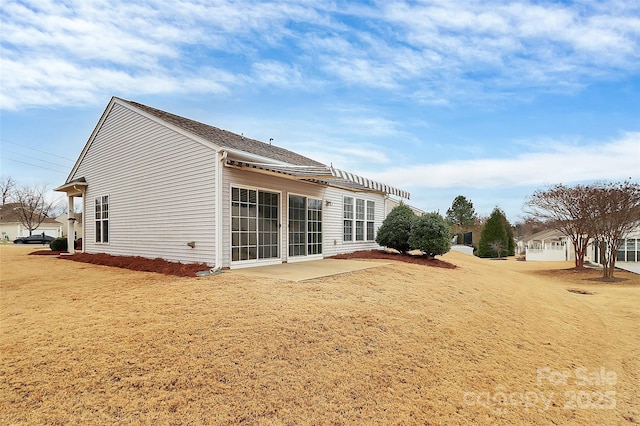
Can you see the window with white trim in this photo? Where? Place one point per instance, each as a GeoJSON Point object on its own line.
{"type": "Point", "coordinates": [358, 219]}
{"type": "Point", "coordinates": [347, 234]}
{"type": "Point", "coordinates": [371, 216]}
{"type": "Point", "coordinates": [102, 219]}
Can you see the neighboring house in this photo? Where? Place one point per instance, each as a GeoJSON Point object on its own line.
{"type": "Point", "coordinates": [548, 245]}
{"type": "Point", "coordinates": [554, 245]}
{"type": "Point", "coordinates": [77, 225]}
{"type": "Point", "coordinates": [11, 227]}
{"type": "Point", "coordinates": [628, 249]}
{"type": "Point", "coordinates": [155, 184]}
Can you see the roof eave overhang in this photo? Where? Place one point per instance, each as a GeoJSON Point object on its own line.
{"type": "Point", "coordinates": [72, 188]}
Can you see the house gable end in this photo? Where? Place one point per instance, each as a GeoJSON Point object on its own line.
{"type": "Point", "coordinates": [117, 101]}
{"type": "Point", "coordinates": [89, 142]}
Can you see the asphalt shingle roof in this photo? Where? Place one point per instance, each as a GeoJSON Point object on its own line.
{"type": "Point", "coordinates": [8, 214]}
{"type": "Point", "coordinates": [226, 139]}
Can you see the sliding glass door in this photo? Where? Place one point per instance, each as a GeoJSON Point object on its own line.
{"type": "Point", "coordinates": [255, 231]}
{"type": "Point", "coordinates": [305, 226]}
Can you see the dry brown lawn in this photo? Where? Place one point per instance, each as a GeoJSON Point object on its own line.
{"type": "Point", "coordinates": [488, 342]}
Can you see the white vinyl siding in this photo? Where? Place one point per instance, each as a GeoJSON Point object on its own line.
{"type": "Point", "coordinates": [333, 218]}
{"type": "Point", "coordinates": [161, 187]}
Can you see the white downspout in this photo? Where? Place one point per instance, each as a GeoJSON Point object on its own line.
{"type": "Point", "coordinates": [220, 158]}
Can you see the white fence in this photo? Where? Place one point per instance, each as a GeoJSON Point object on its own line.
{"type": "Point", "coordinates": [549, 254]}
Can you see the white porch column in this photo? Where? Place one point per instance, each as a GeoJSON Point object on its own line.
{"type": "Point", "coordinates": [71, 244]}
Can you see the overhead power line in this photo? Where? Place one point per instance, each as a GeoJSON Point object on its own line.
{"type": "Point", "coordinates": [35, 149]}
{"type": "Point", "coordinates": [38, 159]}
{"type": "Point", "coordinates": [34, 165]}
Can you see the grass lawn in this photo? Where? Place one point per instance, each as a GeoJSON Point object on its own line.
{"type": "Point", "coordinates": [488, 342]}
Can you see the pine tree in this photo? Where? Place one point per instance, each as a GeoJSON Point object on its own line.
{"type": "Point", "coordinates": [461, 214]}
{"type": "Point", "coordinates": [495, 232]}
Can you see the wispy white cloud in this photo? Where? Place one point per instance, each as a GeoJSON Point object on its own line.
{"type": "Point", "coordinates": [277, 74]}
{"type": "Point", "coordinates": [558, 163]}
{"type": "Point", "coordinates": [436, 52]}
{"type": "Point", "coordinates": [52, 81]}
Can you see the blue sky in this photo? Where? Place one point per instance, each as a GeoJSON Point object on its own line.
{"type": "Point", "coordinates": [486, 99]}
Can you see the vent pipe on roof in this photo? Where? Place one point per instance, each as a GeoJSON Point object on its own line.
{"type": "Point", "coordinates": [270, 140]}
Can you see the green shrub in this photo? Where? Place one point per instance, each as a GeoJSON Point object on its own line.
{"type": "Point", "coordinates": [396, 228]}
{"type": "Point", "coordinates": [59, 244]}
{"type": "Point", "coordinates": [431, 234]}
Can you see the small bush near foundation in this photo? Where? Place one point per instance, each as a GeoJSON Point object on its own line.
{"type": "Point", "coordinates": [396, 228]}
{"type": "Point", "coordinates": [431, 234]}
{"type": "Point", "coordinates": [59, 244]}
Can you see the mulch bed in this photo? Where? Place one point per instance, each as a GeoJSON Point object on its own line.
{"type": "Point", "coordinates": [161, 266]}
{"type": "Point", "coordinates": [137, 263]}
{"type": "Point", "coordinates": [379, 254]}
{"type": "Point", "coordinates": [46, 253]}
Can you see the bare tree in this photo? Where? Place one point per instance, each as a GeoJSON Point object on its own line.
{"type": "Point", "coordinates": [529, 226]}
{"type": "Point", "coordinates": [32, 206]}
{"type": "Point", "coordinates": [497, 246]}
{"type": "Point", "coordinates": [567, 209]}
{"type": "Point", "coordinates": [7, 186]}
{"type": "Point", "coordinates": [616, 212]}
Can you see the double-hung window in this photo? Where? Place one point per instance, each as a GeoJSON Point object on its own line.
{"type": "Point", "coordinates": [347, 234]}
{"type": "Point", "coordinates": [358, 219]}
{"type": "Point", "coordinates": [371, 216]}
{"type": "Point", "coordinates": [102, 219]}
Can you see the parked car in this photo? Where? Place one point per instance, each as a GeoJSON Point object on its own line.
{"type": "Point", "coordinates": [34, 239]}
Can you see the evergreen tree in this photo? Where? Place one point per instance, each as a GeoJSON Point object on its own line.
{"type": "Point", "coordinates": [396, 228]}
{"type": "Point", "coordinates": [461, 215]}
{"type": "Point", "coordinates": [494, 232]}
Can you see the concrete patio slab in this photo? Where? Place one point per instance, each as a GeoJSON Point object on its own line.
{"type": "Point", "coordinates": [301, 271]}
{"type": "Point", "coordinates": [629, 266]}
